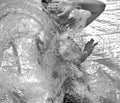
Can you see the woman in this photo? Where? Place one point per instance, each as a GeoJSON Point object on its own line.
{"type": "Point", "coordinates": [83, 13]}
{"type": "Point", "coordinates": [30, 71]}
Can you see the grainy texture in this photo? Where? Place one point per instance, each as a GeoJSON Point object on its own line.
{"type": "Point", "coordinates": [30, 76]}
{"type": "Point", "coordinates": [104, 63]}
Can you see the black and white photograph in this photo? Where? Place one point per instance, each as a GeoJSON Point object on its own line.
{"type": "Point", "coordinates": [59, 51]}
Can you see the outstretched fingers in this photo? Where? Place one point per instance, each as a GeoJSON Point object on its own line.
{"type": "Point", "coordinates": [95, 44]}
{"type": "Point", "coordinates": [89, 46]}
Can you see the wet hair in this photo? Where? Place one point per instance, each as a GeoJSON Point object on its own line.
{"type": "Point", "coordinates": [46, 1]}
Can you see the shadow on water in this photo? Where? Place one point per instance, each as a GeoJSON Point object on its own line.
{"type": "Point", "coordinates": [108, 62]}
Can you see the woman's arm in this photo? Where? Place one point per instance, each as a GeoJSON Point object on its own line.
{"type": "Point", "coordinates": [94, 6]}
